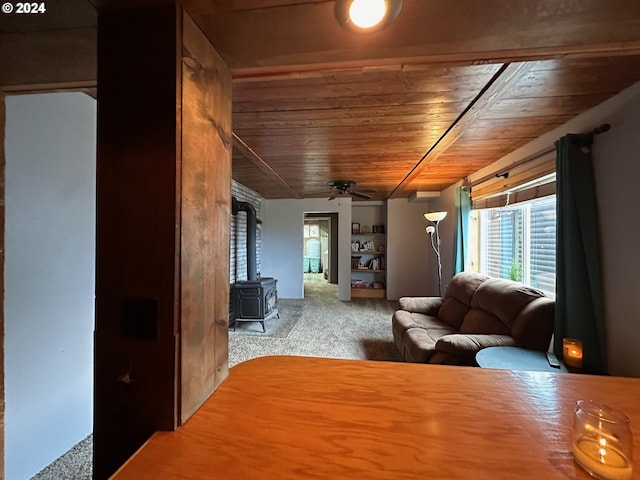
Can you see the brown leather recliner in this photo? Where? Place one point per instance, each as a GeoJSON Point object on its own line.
{"type": "Point", "coordinates": [476, 312]}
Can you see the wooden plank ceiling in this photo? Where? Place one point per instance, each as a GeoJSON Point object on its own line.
{"type": "Point", "coordinates": [448, 88]}
{"type": "Point", "coordinates": [398, 132]}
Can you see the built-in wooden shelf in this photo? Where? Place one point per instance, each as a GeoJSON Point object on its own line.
{"type": "Point", "coordinates": [368, 292]}
{"type": "Point", "coordinates": [368, 250]}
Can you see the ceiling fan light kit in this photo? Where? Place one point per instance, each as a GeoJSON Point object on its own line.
{"type": "Point", "coordinates": [366, 15]}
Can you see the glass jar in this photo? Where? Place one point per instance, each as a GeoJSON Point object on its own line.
{"type": "Point", "coordinates": [602, 441]}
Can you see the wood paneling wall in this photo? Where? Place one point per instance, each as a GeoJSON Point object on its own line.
{"type": "Point", "coordinates": [206, 209]}
{"type": "Point", "coordinates": [163, 206]}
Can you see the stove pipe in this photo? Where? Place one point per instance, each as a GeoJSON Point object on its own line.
{"type": "Point", "coordinates": [238, 206]}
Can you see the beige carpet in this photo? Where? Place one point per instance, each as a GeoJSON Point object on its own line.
{"type": "Point", "coordinates": [320, 325]}
{"type": "Point", "coordinates": [76, 464]}
{"type": "Point", "coordinates": [327, 327]}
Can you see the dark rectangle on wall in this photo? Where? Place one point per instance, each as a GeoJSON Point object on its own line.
{"type": "Point", "coordinates": [139, 318]}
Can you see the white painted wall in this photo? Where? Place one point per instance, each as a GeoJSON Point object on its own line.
{"type": "Point", "coordinates": [49, 277]}
{"type": "Point", "coordinates": [445, 202]}
{"type": "Point", "coordinates": [411, 265]}
{"type": "Point", "coordinates": [282, 237]}
{"type": "Point", "coordinates": [369, 213]}
{"type": "Point", "coordinates": [617, 167]}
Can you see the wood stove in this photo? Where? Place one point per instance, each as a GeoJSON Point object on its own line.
{"type": "Point", "coordinates": [254, 300]}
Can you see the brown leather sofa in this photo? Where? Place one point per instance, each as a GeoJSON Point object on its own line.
{"type": "Point", "coordinates": [476, 312]}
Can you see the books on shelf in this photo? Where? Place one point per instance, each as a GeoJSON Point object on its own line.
{"type": "Point", "coordinates": [375, 263]}
{"type": "Point", "coordinates": [366, 247]}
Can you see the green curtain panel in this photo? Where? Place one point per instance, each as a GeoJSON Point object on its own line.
{"type": "Point", "coordinates": [461, 230]}
{"type": "Point", "coordinates": [579, 312]}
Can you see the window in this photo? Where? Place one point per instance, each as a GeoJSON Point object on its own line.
{"type": "Point", "coordinates": [516, 242]}
{"type": "Point", "coordinates": [311, 230]}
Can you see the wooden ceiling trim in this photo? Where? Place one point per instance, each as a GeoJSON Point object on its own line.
{"type": "Point", "coordinates": [466, 30]}
{"type": "Point", "coordinates": [36, 67]}
{"type": "Point", "coordinates": [246, 152]}
{"type": "Point", "coordinates": [502, 81]}
{"type": "Point", "coordinates": [593, 63]}
{"type": "Point", "coordinates": [409, 63]}
{"type": "Point", "coordinates": [88, 87]}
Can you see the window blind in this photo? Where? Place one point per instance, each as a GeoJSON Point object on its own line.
{"type": "Point", "coordinates": [519, 243]}
{"type": "Point", "coordinates": [543, 244]}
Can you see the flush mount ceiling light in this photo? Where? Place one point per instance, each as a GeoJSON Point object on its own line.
{"type": "Point", "coordinates": [367, 15]}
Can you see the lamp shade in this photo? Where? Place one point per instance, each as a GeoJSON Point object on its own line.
{"type": "Point", "coordinates": [430, 229]}
{"type": "Point", "coordinates": [435, 216]}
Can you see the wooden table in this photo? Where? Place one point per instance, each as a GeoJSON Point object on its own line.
{"type": "Point", "coordinates": [514, 358]}
{"type": "Point", "coordinates": [300, 417]}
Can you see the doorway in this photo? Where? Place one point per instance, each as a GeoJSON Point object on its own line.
{"type": "Point", "coordinates": [320, 248]}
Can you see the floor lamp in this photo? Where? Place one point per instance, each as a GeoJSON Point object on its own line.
{"type": "Point", "coordinates": [436, 218]}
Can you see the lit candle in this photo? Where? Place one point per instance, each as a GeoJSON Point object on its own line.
{"type": "Point", "coordinates": [601, 459]}
{"type": "Point", "coordinates": [572, 352]}
{"type": "Point", "coordinates": [602, 442]}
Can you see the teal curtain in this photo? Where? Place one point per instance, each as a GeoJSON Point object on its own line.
{"type": "Point", "coordinates": [579, 312]}
{"type": "Point", "coordinates": [461, 230]}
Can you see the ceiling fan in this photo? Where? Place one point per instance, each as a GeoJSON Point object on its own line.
{"type": "Point", "coordinates": [345, 187]}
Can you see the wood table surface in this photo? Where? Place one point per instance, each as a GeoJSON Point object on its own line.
{"type": "Point", "coordinates": [304, 417]}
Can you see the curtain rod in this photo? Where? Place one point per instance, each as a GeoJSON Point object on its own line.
{"type": "Point", "coordinates": [504, 173]}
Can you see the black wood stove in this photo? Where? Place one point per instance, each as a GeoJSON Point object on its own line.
{"type": "Point", "coordinates": [254, 299]}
